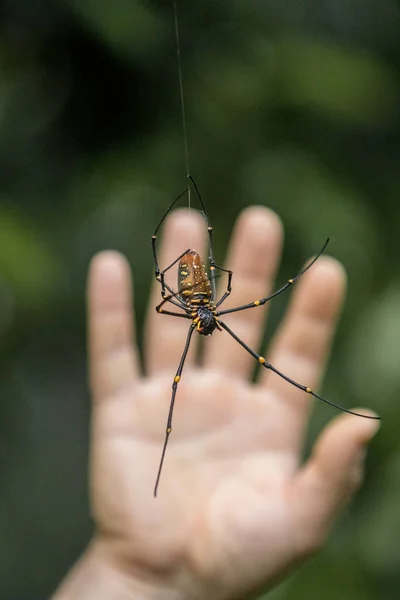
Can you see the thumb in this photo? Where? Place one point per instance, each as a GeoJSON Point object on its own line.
{"type": "Point", "coordinates": [330, 477]}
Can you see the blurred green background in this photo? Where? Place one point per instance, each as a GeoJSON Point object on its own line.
{"type": "Point", "coordinates": [294, 105]}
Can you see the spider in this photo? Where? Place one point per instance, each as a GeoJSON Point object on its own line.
{"type": "Point", "coordinates": [196, 296]}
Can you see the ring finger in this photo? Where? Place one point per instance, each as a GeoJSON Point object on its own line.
{"type": "Point", "coordinates": [253, 257]}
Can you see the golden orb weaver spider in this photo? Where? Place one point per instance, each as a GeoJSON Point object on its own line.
{"type": "Point", "coordinates": [196, 297]}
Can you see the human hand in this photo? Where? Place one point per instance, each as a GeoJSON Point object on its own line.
{"type": "Point", "coordinates": [235, 508]}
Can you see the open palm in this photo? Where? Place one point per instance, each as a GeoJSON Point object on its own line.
{"type": "Point", "coordinates": [235, 506]}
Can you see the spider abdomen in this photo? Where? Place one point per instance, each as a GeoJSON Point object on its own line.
{"type": "Point", "coordinates": [193, 283]}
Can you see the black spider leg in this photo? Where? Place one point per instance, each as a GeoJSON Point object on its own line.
{"type": "Point", "coordinates": [161, 278]}
{"type": "Point", "coordinates": [157, 271]}
{"type": "Point", "coordinates": [180, 304]}
{"type": "Point", "coordinates": [160, 310]}
{"type": "Point", "coordinates": [228, 288]}
{"type": "Point", "coordinates": [304, 388]}
{"type": "Point", "coordinates": [177, 379]}
{"type": "Point", "coordinates": [211, 259]}
{"type": "Point", "coordinates": [289, 283]}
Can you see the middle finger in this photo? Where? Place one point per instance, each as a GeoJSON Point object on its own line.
{"type": "Point", "coordinates": [253, 257]}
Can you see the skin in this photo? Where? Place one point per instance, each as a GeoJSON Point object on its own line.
{"type": "Point", "coordinates": [236, 508]}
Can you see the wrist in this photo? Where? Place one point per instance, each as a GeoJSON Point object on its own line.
{"type": "Point", "coordinates": [96, 577]}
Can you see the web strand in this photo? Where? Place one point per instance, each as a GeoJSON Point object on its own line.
{"type": "Point", "coordinates": [182, 95]}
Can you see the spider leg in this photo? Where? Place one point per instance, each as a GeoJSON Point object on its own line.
{"type": "Point", "coordinates": [171, 406]}
{"type": "Point", "coordinates": [160, 275]}
{"type": "Point", "coordinates": [161, 311]}
{"type": "Point", "coordinates": [304, 388]}
{"type": "Point", "coordinates": [169, 299]}
{"type": "Point", "coordinates": [228, 286]}
{"type": "Point", "coordinates": [213, 265]}
{"type": "Point", "coordinates": [171, 206]}
{"type": "Point", "coordinates": [289, 283]}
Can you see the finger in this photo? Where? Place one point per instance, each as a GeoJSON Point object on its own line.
{"type": "Point", "coordinates": [165, 335]}
{"type": "Point", "coordinates": [303, 341]}
{"type": "Point", "coordinates": [113, 361]}
{"type": "Point", "coordinates": [330, 477]}
{"type": "Point", "coordinates": [253, 257]}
